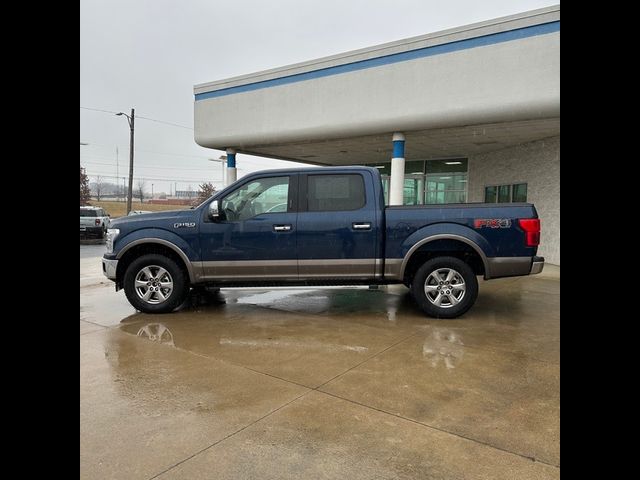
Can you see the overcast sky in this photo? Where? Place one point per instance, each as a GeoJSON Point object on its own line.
{"type": "Point", "coordinates": [148, 54]}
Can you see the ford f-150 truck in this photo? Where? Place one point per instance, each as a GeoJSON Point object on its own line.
{"type": "Point", "coordinates": [321, 226]}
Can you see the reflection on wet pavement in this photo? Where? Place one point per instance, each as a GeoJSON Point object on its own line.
{"type": "Point", "coordinates": [219, 375]}
{"type": "Point", "coordinates": [157, 332]}
{"type": "Point", "coordinates": [445, 345]}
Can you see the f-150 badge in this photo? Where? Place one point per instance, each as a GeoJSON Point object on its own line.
{"type": "Point", "coordinates": [184, 225]}
{"type": "Point", "coordinates": [492, 223]}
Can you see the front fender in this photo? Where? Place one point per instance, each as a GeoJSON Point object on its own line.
{"type": "Point", "coordinates": [162, 237]}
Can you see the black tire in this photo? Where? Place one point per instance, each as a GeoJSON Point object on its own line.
{"type": "Point", "coordinates": [180, 284]}
{"type": "Point", "coordinates": [463, 298]}
{"type": "Point", "coordinates": [103, 232]}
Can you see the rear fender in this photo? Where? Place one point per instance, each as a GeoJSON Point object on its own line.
{"type": "Point", "coordinates": [445, 231]}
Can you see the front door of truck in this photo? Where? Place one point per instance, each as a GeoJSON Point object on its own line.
{"type": "Point", "coordinates": [255, 238]}
{"type": "Point", "coordinates": [337, 227]}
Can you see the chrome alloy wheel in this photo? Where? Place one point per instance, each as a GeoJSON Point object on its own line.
{"type": "Point", "coordinates": [444, 287]}
{"type": "Point", "coordinates": [153, 284]}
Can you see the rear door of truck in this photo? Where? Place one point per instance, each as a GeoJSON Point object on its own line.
{"type": "Point", "coordinates": [337, 227]}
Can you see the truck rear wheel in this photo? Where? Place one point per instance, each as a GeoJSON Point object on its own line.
{"type": "Point", "coordinates": [445, 287]}
{"type": "Point", "coordinates": [155, 284]}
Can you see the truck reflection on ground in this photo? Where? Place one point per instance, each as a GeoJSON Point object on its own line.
{"type": "Point", "coordinates": [445, 346]}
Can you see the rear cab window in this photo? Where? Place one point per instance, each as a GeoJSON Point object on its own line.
{"type": "Point", "coordinates": [335, 192]}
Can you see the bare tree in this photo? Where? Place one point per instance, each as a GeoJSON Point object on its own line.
{"type": "Point", "coordinates": [206, 190]}
{"type": "Point", "coordinates": [85, 193]}
{"type": "Point", "coordinates": [140, 188]}
{"type": "Point", "coordinates": [98, 186]}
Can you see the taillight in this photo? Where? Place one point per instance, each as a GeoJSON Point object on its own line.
{"type": "Point", "coordinates": [531, 227]}
{"type": "Point", "coordinates": [97, 221]}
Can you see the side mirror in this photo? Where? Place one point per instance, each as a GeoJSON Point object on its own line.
{"type": "Point", "coordinates": [214, 210]}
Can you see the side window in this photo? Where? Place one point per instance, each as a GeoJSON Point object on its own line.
{"type": "Point", "coordinates": [264, 195]}
{"type": "Point", "coordinates": [516, 192]}
{"type": "Point", "coordinates": [328, 193]}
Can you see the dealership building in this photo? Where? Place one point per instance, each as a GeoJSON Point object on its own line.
{"type": "Point", "coordinates": [469, 114]}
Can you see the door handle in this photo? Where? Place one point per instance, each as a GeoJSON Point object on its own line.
{"type": "Point", "coordinates": [361, 226]}
{"type": "Point", "coordinates": [282, 228]}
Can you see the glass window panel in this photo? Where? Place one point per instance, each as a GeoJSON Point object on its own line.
{"type": "Point", "coordinates": [410, 191]}
{"type": "Point", "coordinates": [385, 188]}
{"type": "Point", "coordinates": [446, 179]}
{"type": "Point", "coordinates": [490, 194]}
{"type": "Point", "coordinates": [504, 193]}
{"type": "Point", "coordinates": [256, 197]}
{"type": "Point", "coordinates": [520, 192]}
{"type": "Point", "coordinates": [335, 192]}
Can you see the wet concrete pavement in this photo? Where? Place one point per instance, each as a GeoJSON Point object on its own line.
{"type": "Point", "coordinates": [321, 383]}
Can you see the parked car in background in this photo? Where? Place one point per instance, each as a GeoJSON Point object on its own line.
{"type": "Point", "coordinates": [94, 221]}
{"type": "Point", "coordinates": [139, 212]}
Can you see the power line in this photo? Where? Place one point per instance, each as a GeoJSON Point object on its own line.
{"type": "Point", "coordinates": [203, 169]}
{"type": "Point", "coordinates": [98, 110]}
{"type": "Point", "coordinates": [160, 179]}
{"type": "Point", "coordinates": [138, 116]}
{"type": "Point", "coordinates": [162, 121]}
{"type": "Point", "coordinates": [202, 157]}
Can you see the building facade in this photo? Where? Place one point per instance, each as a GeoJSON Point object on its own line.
{"type": "Point", "coordinates": [470, 114]}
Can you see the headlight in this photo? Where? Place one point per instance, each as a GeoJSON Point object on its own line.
{"type": "Point", "coordinates": [112, 234]}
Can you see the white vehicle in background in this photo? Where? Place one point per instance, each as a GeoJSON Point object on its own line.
{"type": "Point", "coordinates": [139, 212]}
{"type": "Point", "coordinates": [94, 221]}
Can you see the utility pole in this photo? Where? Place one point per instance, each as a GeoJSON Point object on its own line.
{"type": "Point", "coordinates": [131, 125]}
{"type": "Point", "coordinates": [117, 174]}
{"type": "Point", "coordinates": [131, 119]}
{"type": "Point", "coordinates": [152, 191]}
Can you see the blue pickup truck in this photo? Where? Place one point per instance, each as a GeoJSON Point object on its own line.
{"type": "Point", "coordinates": [321, 226]}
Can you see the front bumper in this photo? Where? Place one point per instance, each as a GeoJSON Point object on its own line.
{"type": "Point", "coordinates": [537, 265]}
{"type": "Point", "coordinates": [109, 268]}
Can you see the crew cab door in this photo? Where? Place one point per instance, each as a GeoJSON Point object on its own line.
{"type": "Point", "coordinates": [255, 238]}
{"type": "Point", "coordinates": [337, 227]}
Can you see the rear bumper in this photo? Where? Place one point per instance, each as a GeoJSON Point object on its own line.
{"type": "Point", "coordinates": [90, 230]}
{"type": "Point", "coordinates": [537, 265]}
{"type": "Point", "coordinates": [499, 267]}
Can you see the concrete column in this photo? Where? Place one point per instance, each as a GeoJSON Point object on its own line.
{"type": "Point", "coordinates": [232, 174]}
{"type": "Point", "coordinates": [421, 191]}
{"type": "Point", "coordinates": [396, 182]}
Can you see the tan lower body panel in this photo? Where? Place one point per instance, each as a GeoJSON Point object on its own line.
{"type": "Point", "coordinates": [289, 269]}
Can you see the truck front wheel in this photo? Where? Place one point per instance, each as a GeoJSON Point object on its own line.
{"type": "Point", "coordinates": [445, 287]}
{"type": "Point", "coordinates": [155, 284]}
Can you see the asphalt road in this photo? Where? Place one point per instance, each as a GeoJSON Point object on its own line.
{"type": "Point", "coordinates": [87, 251]}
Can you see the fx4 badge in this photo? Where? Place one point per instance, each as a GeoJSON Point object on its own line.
{"type": "Point", "coordinates": [492, 223]}
{"type": "Point", "coordinates": [184, 225]}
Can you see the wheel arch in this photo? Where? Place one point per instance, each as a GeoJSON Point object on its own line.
{"type": "Point", "coordinates": [143, 246]}
{"type": "Point", "coordinates": [426, 248]}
